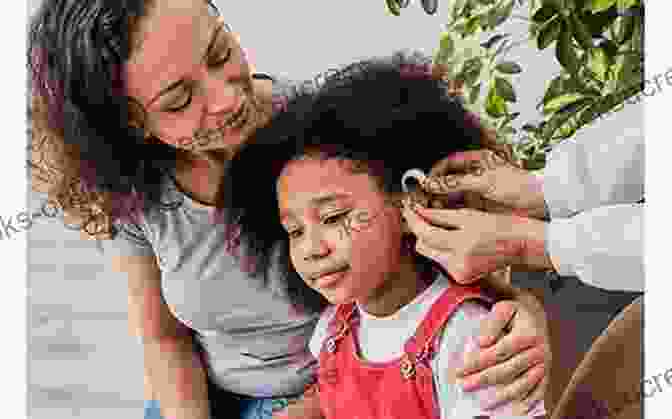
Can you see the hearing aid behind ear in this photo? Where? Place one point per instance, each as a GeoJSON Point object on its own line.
{"type": "Point", "coordinates": [412, 179]}
{"type": "Point", "coordinates": [411, 185]}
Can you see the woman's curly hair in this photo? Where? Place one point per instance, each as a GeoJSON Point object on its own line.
{"type": "Point", "coordinates": [385, 115]}
{"type": "Point", "coordinates": [87, 146]}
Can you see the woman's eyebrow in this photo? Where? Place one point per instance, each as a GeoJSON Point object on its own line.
{"type": "Point", "coordinates": [180, 82]}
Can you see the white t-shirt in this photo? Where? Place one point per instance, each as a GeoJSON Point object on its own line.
{"type": "Point", "coordinates": [382, 339]}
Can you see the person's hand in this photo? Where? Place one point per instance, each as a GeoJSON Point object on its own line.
{"type": "Point", "coordinates": [513, 356]}
{"type": "Point", "coordinates": [470, 244]}
{"type": "Point", "coordinates": [482, 179]}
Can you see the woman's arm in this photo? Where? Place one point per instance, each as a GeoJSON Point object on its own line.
{"type": "Point", "coordinates": [174, 371]}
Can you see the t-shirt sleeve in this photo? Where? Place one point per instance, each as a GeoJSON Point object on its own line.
{"type": "Point", "coordinates": [130, 240]}
{"type": "Point", "coordinates": [579, 176]}
{"type": "Point", "coordinates": [320, 332]}
{"type": "Point", "coordinates": [459, 335]}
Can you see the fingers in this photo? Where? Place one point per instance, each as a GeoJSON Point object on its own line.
{"type": "Point", "coordinates": [520, 396]}
{"type": "Point", "coordinates": [507, 373]}
{"type": "Point", "coordinates": [488, 358]}
{"type": "Point", "coordinates": [531, 402]}
{"type": "Point", "coordinates": [496, 323]}
{"type": "Point", "coordinates": [455, 185]}
{"type": "Point", "coordinates": [458, 162]}
{"type": "Point", "coordinates": [436, 237]}
{"type": "Point", "coordinates": [450, 218]}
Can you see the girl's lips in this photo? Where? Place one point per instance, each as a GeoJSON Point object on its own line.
{"type": "Point", "coordinates": [331, 279]}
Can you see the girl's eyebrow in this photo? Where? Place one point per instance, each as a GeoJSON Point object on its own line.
{"type": "Point", "coordinates": [319, 201]}
{"type": "Point", "coordinates": [328, 199]}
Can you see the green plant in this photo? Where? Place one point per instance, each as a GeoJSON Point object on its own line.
{"type": "Point", "coordinates": [598, 44]}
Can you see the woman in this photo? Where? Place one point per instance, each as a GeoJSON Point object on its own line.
{"type": "Point", "coordinates": [138, 105]}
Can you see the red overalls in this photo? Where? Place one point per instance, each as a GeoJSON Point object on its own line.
{"type": "Point", "coordinates": [351, 388]}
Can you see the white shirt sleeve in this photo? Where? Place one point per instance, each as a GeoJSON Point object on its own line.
{"type": "Point", "coordinates": [460, 334]}
{"type": "Point", "coordinates": [602, 165]}
{"type": "Point", "coordinates": [602, 246]}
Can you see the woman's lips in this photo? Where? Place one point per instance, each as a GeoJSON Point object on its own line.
{"type": "Point", "coordinates": [329, 280]}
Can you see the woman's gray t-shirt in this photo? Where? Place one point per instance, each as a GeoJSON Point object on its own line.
{"type": "Point", "coordinates": [255, 339]}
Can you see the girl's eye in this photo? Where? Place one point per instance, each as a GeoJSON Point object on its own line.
{"type": "Point", "coordinates": [217, 62]}
{"type": "Point", "coordinates": [180, 107]}
{"type": "Point", "coordinates": [331, 219]}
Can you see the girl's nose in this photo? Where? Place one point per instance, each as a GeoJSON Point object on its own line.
{"type": "Point", "coordinates": [316, 247]}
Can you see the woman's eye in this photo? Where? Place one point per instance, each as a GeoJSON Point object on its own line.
{"type": "Point", "coordinates": [180, 107]}
{"type": "Point", "coordinates": [294, 234]}
{"type": "Point", "coordinates": [217, 62]}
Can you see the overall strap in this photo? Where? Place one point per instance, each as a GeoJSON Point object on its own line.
{"type": "Point", "coordinates": [421, 345]}
{"type": "Point", "coordinates": [339, 326]}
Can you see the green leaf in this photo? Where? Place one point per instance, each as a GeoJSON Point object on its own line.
{"type": "Point", "coordinates": [495, 106]}
{"type": "Point", "coordinates": [393, 7]}
{"type": "Point", "coordinates": [549, 33]}
{"type": "Point", "coordinates": [493, 40]}
{"type": "Point", "coordinates": [624, 5]}
{"type": "Point", "coordinates": [529, 128]}
{"type": "Point", "coordinates": [581, 32]}
{"type": "Point", "coordinates": [560, 102]}
{"type": "Point", "coordinates": [599, 22]}
{"type": "Point", "coordinates": [565, 52]}
{"type": "Point", "coordinates": [499, 15]}
{"type": "Point", "coordinates": [446, 45]}
{"type": "Point", "coordinates": [598, 63]}
{"type": "Point", "coordinates": [471, 70]}
{"type": "Point", "coordinates": [502, 47]}
{"type": "Point", "coordinates": [601, 5]}
{"type": "Point", "coordinates": [557, 4]}
{"type": "Point", "coordinates": [472, 25]}
{"type": "Point", "coordinates": [509, 67]}
{"type": "Point", "coordinates": [544, 14]}
{"type": "Point", "coordinates": [475, 93]}
{"type": "Point", "coordinates": [505, 89]}
{"type": "Point", "coordinates": [458, 8]}
{"type": "Point", "coordinates": [623, 28]}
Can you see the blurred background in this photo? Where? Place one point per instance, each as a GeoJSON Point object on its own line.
{"type": "Point", "coordinates": [83, 362]}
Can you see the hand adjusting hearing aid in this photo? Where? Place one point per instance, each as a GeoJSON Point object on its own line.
{"type": "Point", "coordinates": [412, 176]}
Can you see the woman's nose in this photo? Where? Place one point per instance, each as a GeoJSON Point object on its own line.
{"type": "Point", "coordinates": [221, 98]}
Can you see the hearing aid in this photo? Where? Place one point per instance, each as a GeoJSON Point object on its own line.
{"type": "Point", "coordinates": [411, 186]}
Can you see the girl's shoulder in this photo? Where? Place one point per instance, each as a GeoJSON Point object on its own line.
{"type": "Point", "coordinates": [321, 331]}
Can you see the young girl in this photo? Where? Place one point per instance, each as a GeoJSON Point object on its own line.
{"type": "Point", "coordinates": [320, 187]}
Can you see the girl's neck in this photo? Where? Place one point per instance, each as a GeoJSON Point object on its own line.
{"type": "Point", "coordinates": [397, 291]}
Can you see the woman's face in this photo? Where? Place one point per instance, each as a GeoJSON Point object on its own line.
{"type": "Point", "coordinates": [318, 200]}
{"type": "Point", "coordinates": [190, 75]}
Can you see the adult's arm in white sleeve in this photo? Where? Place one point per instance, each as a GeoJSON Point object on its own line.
{"type": "Point", "coordinates": [603, 246]}
{"type": "Point", "coordinates": [602, 165]}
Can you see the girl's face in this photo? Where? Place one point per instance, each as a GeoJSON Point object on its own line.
{"type": "Point", "coordinates": [345, 236]}
{"type": "Point", "coordinates": [189, 74]}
